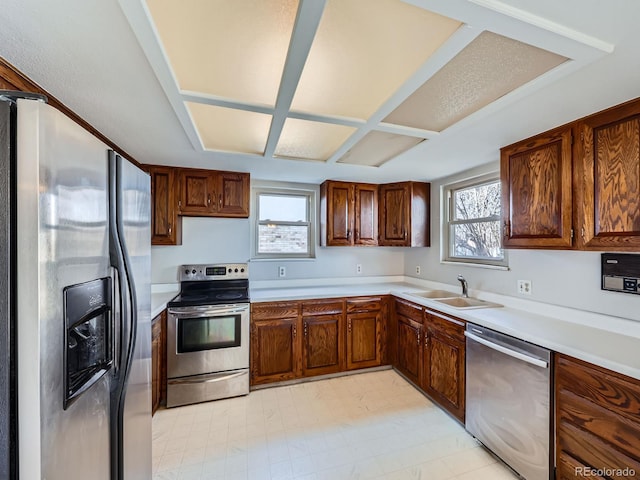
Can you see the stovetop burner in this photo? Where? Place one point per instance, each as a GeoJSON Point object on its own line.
{"type": "Point", "coordinates": [212, 285]}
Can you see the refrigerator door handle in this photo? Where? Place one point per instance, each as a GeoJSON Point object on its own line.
{"type": "Point", "coordinates": [128, 322]}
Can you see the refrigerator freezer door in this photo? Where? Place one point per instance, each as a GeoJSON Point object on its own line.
{"type": "Point", "coordinates": [134, 186]}
{"type": "Point", "coordinates": [62, 240]}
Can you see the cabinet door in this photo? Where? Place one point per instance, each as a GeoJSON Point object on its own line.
{"type": "Point", "coordinates": [158, 359]}
{"type": "Point", "coordinates": [608, 153]}
{"type": "Point", "coordinates": [274, 350]}
{"type": "Point", "coordinates": [536, 192]}
{"type": "Point", "coordinates": [409, 351]}
{"type": "Point", "coordinates": [364, 332]}
{"type": "Point", "coordinates": [322, 345]}
{"type": "Point", "coordinates": [366, 214]}
{"type": "Point", "coordinates": [395, 215]}
{"type": "Point", "coordinates": [165, 223]}
{"type": "Point", "coordinates": [444, 364]}
{"type": "Point", "coordinates": [196, 192]}
{"type": "Point", "coordinates": [232, 191]}
{"type": "Point", "coordinates": [339, 213]}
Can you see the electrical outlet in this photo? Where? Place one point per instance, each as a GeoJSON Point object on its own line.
{"type": "Point", "coordinates": [282, 271]}
{"type": "Point", "coordinates": [417, 269]}
{"type": "Point", "coordinates": [359, 268]}
{"type": "Point", "coordinates": [524, 287]}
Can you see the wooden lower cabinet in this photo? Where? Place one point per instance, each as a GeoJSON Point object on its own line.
{"type": "Point", "coordinates": [323, 341]}
{"type": "Point", "coordinates": [408, 337]}
{"type": "Point", "coordinates": [364, 332]}
{"type": "Point", "coordinates": [443, 373]}
{"type": "Point", "coordinates": [158, 361]}
{"type": "Point", "coordinates": [304, 338]}
{"type": "Point", "coordinates": [275, 346]}
{"type": "Point", "coordinates": [597, 421]}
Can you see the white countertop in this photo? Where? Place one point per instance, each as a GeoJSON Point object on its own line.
{"type": "Point", "coordinates": [161, 294]}
{"type": "Point", "coordinates": [611, 342]}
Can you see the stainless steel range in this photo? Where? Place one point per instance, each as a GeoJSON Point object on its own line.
{"type": "Point", "coordinates": [208, 334]}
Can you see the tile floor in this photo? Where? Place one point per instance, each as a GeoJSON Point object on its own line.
{"type": "Point", "coordinates": [366, 426]}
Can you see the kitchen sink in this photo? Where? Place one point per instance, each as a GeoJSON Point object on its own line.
{"type": "Point", "coordinates": [433, 294]}
{"type": "Point", "coordinates": [467, 302]}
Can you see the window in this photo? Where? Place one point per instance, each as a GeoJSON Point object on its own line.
{"type": "Point", "coordinates": [472, 233]}
{"type": "Point", "coordinates": [284, 223]}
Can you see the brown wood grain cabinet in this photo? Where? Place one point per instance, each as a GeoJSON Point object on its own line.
{"type": "Point", "coordinates": [537, 191]}
{"type": "Point", "coordinates": [323, 337]}
{"type": "Point", "coordinates": [275, 343]}
{"type": "Point", "coordinates": [409, 331]}
{"type": "Point", "coordinates": [166, 225]}
{"type": "Point", "coordinates": [348, 213]}
{"type": "Point", "coordinates": [213, 193]}
{"type": "Point", "coordinates": [158, 361]}
{"type": "Point", "coordinates": [597, 419]}
{"type": "Point", "coordinates": [607, 157]}
{"type": "Point", "coordinates": [404, 214]}
{"type": "Point", "coordinates": [443, 373]}
{"type": "Point", "coordinates": [365, 331]}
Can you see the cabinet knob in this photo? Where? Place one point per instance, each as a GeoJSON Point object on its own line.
{"type": "Point", "coordinates": [220, 201]}
{"type": "Point", "coordinates": [506, 229]}
{"type": "Point", "coordinates": [349, 326]}
{"type": "Point", "coordinates": [306, 329]}
{"type": "Point", "coordinates": [295, 331]}
{"type": "Point", "coordinates": [418, 338]}
{"type": "Point", "coordinates": [405, 234]}
{"type": "Point", "coordinates": [209, 199]}
{"type": "Point", "coordinates": [169, 229]}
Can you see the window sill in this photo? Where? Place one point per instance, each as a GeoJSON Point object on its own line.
{"type": "Point", "coordinates": [478, 265]}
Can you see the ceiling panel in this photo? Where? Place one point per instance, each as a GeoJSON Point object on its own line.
{"type": "Point", "coordinates": [488, 68]}
{"type": "Point", "coordinates": [235, 49]}
{"type": "Point", "coordinates": [307, 140]}
{"type": "Point", "coordinates": [376, 148]}
{"type": "Point", "coordinates": [360, 57]}
{"type": "Point", "coordinates": [230, 130]}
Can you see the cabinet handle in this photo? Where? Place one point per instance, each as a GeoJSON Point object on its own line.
{"type": "Point", "coordinates": [507, 230]}
{"type": "Point", "coordinates": [295, 331]}
{"type": "Point", "coordinates": [405, 234]}
{"type": "Point", "coordinates": [169, 229]}
{"type": "Point", "coordinates": [426, 340]}
{"type": "Point", "coordinates": [306, 329]}
{"type": "Point", "coordinates": [209, 199]}
{"type": "Point", "coordinates": [220, 201]}
{"type": "Point", "coordinates": [418, 337]}
{"type": "Point", "coordinates": [348, 234]}
{"type": "Point", "coordinates": [582, 232]}
{"type": "Point", "coordinates": [349, 326]}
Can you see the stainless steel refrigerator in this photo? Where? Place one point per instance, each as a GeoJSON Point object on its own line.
{"type": "Point", "coordinates": [75, 326]}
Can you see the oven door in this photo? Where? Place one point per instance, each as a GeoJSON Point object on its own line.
{"type": "Point", "coordinates": [207, 339]}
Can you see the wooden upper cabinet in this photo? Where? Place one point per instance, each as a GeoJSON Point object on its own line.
{"type": "Point", "coordinates": [537, 191]}
{"type": "Point", "coordinates": [233, 194]}
{"type": "Point", "coordinates": [404, 214]}
{"type": "Point", "coordinates": [213, 193]}
{"type": "Point", "coordinates": [608, 168]}
{"type": "Point", "coordinates": [349, 213]}
{"type": "Point", "coordinates": [166, 226]}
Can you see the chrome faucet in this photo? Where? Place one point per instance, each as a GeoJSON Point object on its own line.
{"type": "Point", "coordinates": [465, 286]}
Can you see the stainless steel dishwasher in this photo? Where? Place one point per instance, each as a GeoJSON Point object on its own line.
{"type": "Point", "coordinates": [508, 400]}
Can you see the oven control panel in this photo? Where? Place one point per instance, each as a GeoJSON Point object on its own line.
{"type": "Point", "coordinates": [217, 271]}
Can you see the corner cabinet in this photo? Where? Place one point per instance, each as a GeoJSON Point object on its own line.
{"type": "Point", "coordinates": [537, 191]}
{"type": "Point", "coordinates": [166, 226]}
{"type": "Point", "coordinates": [349, 213]}
{"type": "Point", "coordinates": [213, 193]}
{"type": "Point", "coordinates": [404, 214]}
{"type": "Point", "coordinates": [608, 168]}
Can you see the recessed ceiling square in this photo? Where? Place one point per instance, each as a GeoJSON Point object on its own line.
{"type": "Point", "coordinates": [230, 130]}
{"type": "Point", "coordinates": [307, 140]}
{"type": "Point", "coordinates": [234, 49]}
{"type": "Point", "coordinates": [376, 148]}
{"type": "Point", "coordinates": [363, 52]}
{"type": "Point", "coordinates": [488, 68]}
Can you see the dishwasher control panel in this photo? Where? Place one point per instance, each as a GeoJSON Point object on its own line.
{"type": "Point", "coordinates": [621, 272]}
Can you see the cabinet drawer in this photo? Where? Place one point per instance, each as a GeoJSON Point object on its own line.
{"type": "Point", "coordinates": [409, 309]}
{"type": "Point", "coordinates": [364, 304]}
{"type": "Point", "coordinates": [274, 310]}
{"type": "Point", "coordinates": [445, 325]}
{"type": "Point", "coordinates": [569, 469]}
{"type": "Point", "coordinates": [322, 307]}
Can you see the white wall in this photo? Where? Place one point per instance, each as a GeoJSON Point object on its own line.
{"type": "Point", "coordinates": [567, 278]}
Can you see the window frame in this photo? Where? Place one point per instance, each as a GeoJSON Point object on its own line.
{"type": "Point", "coordinates": [287, 190]}
{"type": "Point", "coordinates": [449, 221]}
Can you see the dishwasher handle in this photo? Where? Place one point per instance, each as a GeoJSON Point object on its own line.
{"type": "Point", "coordinates": [507, 351]}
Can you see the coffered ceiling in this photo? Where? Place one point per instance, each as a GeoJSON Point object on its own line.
{"type": "Point", "coordinates": [304, 90]}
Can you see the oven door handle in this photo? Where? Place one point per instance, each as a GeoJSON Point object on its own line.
{"type": "Point", "coordinates": [216, 377]}
{"type": "Point", "coordinates": [191, 313]}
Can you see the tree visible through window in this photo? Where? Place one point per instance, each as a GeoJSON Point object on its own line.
{"type": "Point", "coordinates": [474, 223]}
